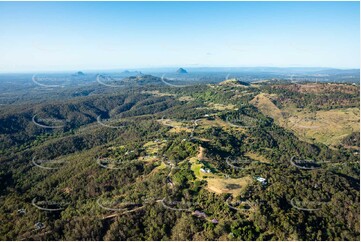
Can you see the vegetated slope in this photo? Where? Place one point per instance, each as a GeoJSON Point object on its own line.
{"type": "Point", "coordinates": [131, 175]}
{"type": "Point", "coordinates": [234, 82]}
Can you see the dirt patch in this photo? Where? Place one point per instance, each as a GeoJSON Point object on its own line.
{"type": "Point", "coordinates": [201, 153]}
{"type": "Point", "coordinates": [186, 98]}
{"type": "Point", "coordinates": [230, 185]}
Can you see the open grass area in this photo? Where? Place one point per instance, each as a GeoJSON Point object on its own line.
{"type": "Point", "coordinates": [148, 159]}
{"type": "Point", "coordinates": [186, 98]}
{"type": "Point", "coordinates": [217, 183]}
{"type": "Point", "coordinates": [162, 166]}
{"type": "Point", "coordinates": [196, 170]}
{"type": "Point", "coordinates": [235, 186]}
{"type": "Point", "coordinates": [177, 126]}
{"type": "Point", "coordinates": [216, 122]}
{"type": "Point", "coordinates": [263, 102]}
{"type": "Point", "coordinates": [152, 147]}
{"type": "Point", "coordinates": [325, 126]}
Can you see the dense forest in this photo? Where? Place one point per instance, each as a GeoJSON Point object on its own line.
{"type": "Point", "coordinates": [158, 162]}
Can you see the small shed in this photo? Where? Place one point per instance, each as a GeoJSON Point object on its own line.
{"type": "Point", "coordinates": [214, 221]}
{"type": "Point", "coordinates": [262, 180]}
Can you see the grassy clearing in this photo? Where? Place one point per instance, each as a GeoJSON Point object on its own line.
{"type": "Point", "coordinates": [267, 107]}
{"type": "Point", "coordinates": [162, 166]}
{"type": "Point", "coordinates": [217, 183]}
{"type": "Point", "coordinates": [196, 170]}
{"type": "Point", "coordinates": [177, 126]}
{"type": "Point", "coordinates": [151, 147]}
{"type": "Point", "coordinates": [230, 185]}
{"type": "Point", "coordinates": [186, 98]}
{"type": "Point", "coordinates": [326, 126]}
{"type": "Point", "coordinates": [216, 122]}
{"type": "Point", "coordinates": [148, 159]}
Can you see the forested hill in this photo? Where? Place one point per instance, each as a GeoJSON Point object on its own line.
{"type": "Point", "coordinates": [178, 162]}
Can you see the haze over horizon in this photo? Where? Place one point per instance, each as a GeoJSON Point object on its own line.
{"type": "Point", "coordinates": [65, 36]}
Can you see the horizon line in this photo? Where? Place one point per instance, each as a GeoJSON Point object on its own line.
{"type": "Point", "coordinates": [170, 67]}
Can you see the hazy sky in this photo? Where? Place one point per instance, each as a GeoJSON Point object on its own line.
{"type": "Point", "coordinates": [84, 36]}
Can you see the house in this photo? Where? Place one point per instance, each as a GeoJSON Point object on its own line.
{"type": "Point", "coordinates": [39, 225]}
{"type": "Point", "coordinates": [21, 211]}
{"type": "Point", "coordinates": [206, 170]}
{"type": "Point", "coordinates": [200, 214]}
{"type": "Point", "coordinates": [215, 221]}
{"type": "Point", "coordinates": [262, 180]}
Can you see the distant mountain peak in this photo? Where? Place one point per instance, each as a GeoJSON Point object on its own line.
{"type": "Point", "coordinates": [234, 82]}
{"type": "Point", "coordinates": [142, 80]}
{"type": "Point", "coordinates": [181, 71]}
{"type": "Point", "coordinates": [133, 73]}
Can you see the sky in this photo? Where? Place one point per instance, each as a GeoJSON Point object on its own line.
{"type": "Point", "coordinates": [56, 36]}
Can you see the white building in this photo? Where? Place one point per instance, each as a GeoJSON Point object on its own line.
{"type": "Point", "coordinates": [261, 180]}
{"type": "Point", "coordinates": [205, 170]}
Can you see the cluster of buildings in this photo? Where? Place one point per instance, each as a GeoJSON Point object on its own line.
{"type": "Point", "coordinates": [200, 214]}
